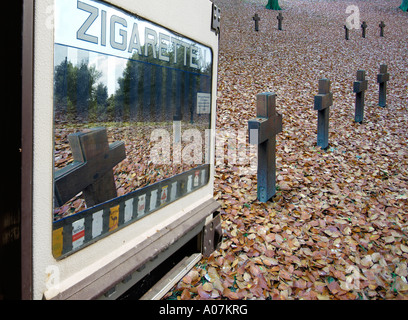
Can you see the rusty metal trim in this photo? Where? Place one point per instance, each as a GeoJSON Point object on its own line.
{"type": "Point", "coordinates": [212, 233]}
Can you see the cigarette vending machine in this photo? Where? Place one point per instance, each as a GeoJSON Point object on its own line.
{"type": "Point", "coordinates": [117, 122]}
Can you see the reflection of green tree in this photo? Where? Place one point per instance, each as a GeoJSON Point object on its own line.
{"type": "Point", "coordinates": [148, 90]}
{"type": "Point", "coordinates": [75, 93]}
{"type": "Point", "coordinates": [149, 87]}
{"type": "Point", "coordinates": [101, 99]}
{"type": "Point", "coordinates": [65, 83]}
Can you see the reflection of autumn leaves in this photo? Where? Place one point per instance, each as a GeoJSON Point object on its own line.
{"type": "Point", "coordinates": [135, 172]}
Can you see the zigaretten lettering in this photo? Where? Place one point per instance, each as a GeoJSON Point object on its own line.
{"type": "Point", "coordinates": [125, 35]}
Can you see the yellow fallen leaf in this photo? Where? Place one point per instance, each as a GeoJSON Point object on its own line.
{"type": "Point", "coordinates": [294, 244]}
{"type": "Point", "coordinates": [323, 297]}
{"type": "Point", "coordinates": [202, 293]}
{"type": "Point", "coordinates": [217, 284]}
{"type": "Point", "coordinates": [375, 257]}
{"type": "Point", "coordinates": [389, 239]}
{"type": "Point", "coordinates": [347, 231]}
{"type": "Point", "coordinates": [401, 284]}
{"type": "Point", "coordinates": [191, 277]}
{"type": "Point", "coordinates": [278, 238]}
{"type": "Point", "coordinates": [186, 295]}
{"type": "Point", "coordinates": [212, 272]}
{"type": "Point", "coordinates": [307, 251]}
{"type": "Point", "coordinates": [346, 286]}
{"type": "Point", "coordinates": [402, 270]}
{"type": "Point", "coordinates": [215, 294]}
{"type": "Point", "coordinates": [332, 232]}
{"type": "Point", "coordinates": [269, 261]}
{"type": "Point", "coordinates": [366, 261]}
{"type": "Point", "coordinates": [284, 186]}
{"type": "Point", "coordinates": [208, 287]}
{"type": "Point", "coordinates": [247, 276]}
{"type": "Point", "coordinates": [241, 284]}
{"type": "Point", "coordinates": [374, 237]}
{"type": "Point", "coordinates": [285, 275]}
{"type": "Point", "coordinates": [372, 286]}
{"type": "Point", "coordinates": [227, 189]}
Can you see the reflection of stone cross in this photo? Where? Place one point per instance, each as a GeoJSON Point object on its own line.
{"type": "Point", "coordinates": [382, 25]}
{"type": "Point", "coordinates": [280, 18]}
{"type": "Point", "coordinates": [364, 27]}
{"type": "Point", "coordinates": [322, 103]}
{"type": "Point", "coordinates": [347, 32]}
{"type": "Point", "coordinates": [382, 79]}
{"type": "Point", "coordinates": [256, 19]}
{"type": "Point", "coordinates": [359, 87]}
{"type": "Point", "coordinates": [91, 171]}
{"type": "Point", "coordinates": [263, 131]}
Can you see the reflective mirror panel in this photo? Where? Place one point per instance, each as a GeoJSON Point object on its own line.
{"type": "Point", "coordinates": [132, 109]}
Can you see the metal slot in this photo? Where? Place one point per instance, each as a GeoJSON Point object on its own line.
{"type": "Point", "coordinates": [172, 277]}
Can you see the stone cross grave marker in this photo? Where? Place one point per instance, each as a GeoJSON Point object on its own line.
{"type": "Point", "coordinates": [347, 32]}
{"type": "Point", "coordinates": [322, 102]}
{"type": "Point", "coordinates": [382, 26]}
{"type": "Point", "coordinates": [216, 19]}
{"type": "Point", "coordinates": [382, 79]}
{"type": "Point", "coordinates": [91, 171]}
{"type": "Point", "coordinates": [364, 27]}
{"type": "Point", "coordinates": [280, 19]}
{"type": "Point", "coordinates": [256, 18]}
{"type": "Point", "coordinates": [359, 87]}
{"type": "Point", "coordinates": [262, 131]}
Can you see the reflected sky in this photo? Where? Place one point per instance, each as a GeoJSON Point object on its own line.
{"type": "Point", "coordinates": [100, 29]}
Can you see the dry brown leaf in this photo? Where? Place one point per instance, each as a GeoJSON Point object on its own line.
{"type": "Point", "coordinates": [202, 293]}
{"type": "Point", "coordinates": [186, 295]}
{"type": "Point", "coordinates": [332, 232]}
{"type": "Point", "coordinates": [208, 287]}
{"type": "Point", "coordinates": [285, 275]}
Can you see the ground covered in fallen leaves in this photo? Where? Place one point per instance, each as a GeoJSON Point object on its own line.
{"type": "Point", "coordinates": [338, 225]}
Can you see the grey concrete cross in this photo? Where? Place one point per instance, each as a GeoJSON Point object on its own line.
{"type": "Point", "coordinates": [216, 19]}
{"type": "Point", "coordinates": [364, 27]}
{"type": "Point", "coordinates": [359, 87]}
{"type": "Point", "coordinates": [382, 79]}
{"type": "Point", "coordinates": [256, 18]}
{"type": "Point", "coordinates": [322, 102]}
{"type": "Point", "coordinates": [262, 131]}
{"type": "Point", "coordinates": [91, 171]}
{"type": "Point", "coordinates": [347, 32]}
{"type": "Point", "coordinates": [382, 26]}
{"type": "Point", "coordinates": [280, 18]}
